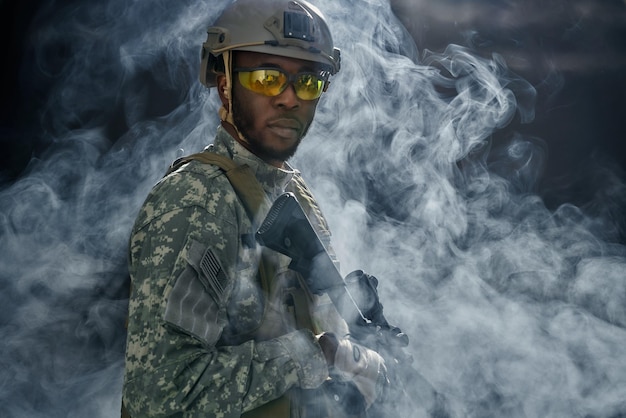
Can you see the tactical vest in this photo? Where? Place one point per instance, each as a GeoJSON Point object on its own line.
{"type": "Point", "coordinates": [257, 204]}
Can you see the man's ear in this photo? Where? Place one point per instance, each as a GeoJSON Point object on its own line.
{"type": "Point", "coordinates": [222, 90]}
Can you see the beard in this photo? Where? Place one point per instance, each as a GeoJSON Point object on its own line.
{"type": "Point", "coordinates": [244, 121]}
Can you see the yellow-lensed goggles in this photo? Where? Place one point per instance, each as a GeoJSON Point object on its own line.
{"type": "Point", "coordinates": [271, 81]}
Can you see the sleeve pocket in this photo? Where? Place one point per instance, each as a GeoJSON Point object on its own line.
{"type": "Point", "coordinates": [195, 303]}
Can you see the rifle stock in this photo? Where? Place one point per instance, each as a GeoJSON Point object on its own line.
{"type": "Point", "coordinates": [286, 229]}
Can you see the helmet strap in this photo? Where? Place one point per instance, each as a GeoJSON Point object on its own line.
{"type": "Point", "coordinates": [226, 113]}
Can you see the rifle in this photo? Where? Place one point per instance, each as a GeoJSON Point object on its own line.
{"type": "Point", "coordinates": [287, 230]}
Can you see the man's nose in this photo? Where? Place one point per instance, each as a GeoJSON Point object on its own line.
{"type": "Point", "coordinates": [288, 98]}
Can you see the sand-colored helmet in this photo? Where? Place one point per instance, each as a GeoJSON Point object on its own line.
{"type": "Point", "coordinates": [289, 28]}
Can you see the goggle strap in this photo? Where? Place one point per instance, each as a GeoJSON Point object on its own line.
{"type": "Point", "coordinates": [226, 114]}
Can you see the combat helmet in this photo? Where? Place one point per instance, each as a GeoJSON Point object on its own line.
{"type": "Point", "coordinates": [290, 28]}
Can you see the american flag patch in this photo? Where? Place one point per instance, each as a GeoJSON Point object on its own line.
{"type": "Point", "coordinates": [213, 276]}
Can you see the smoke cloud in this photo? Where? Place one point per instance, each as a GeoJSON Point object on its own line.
{"type": "Point", "coordinates": [512, 309]}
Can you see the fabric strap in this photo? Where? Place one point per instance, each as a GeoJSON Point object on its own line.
{"type": "Point", "coordinates": [242, 179]}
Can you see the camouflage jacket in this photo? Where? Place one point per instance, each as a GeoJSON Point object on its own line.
{"type": "Point", "coordinates": [204, 338]}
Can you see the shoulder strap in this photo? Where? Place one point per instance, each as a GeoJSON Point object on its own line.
{"type": "Point", "coordinates": [241, 178]}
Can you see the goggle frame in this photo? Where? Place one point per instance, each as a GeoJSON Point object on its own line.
{"type": "Point", "coordinates": [248, 76]}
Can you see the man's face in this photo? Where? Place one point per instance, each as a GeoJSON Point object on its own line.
{"type": "Point", "coordinates": [273, 126]}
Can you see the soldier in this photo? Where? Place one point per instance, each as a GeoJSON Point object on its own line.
{"type": "Point", "coordinates": [218, 326]}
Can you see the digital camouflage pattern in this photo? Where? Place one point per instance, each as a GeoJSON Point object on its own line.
{"type": "Point", "coordinates": [203, 337]}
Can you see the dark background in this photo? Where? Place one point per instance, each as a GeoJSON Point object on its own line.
{"type": "Point", "coordinates": [572, 52]}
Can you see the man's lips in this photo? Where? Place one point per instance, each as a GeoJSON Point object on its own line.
{"type": "Point", "coordinates": [286, 126]}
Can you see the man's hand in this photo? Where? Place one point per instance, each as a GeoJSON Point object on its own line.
{"type": "Point", "coordinates": [353, 362]}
